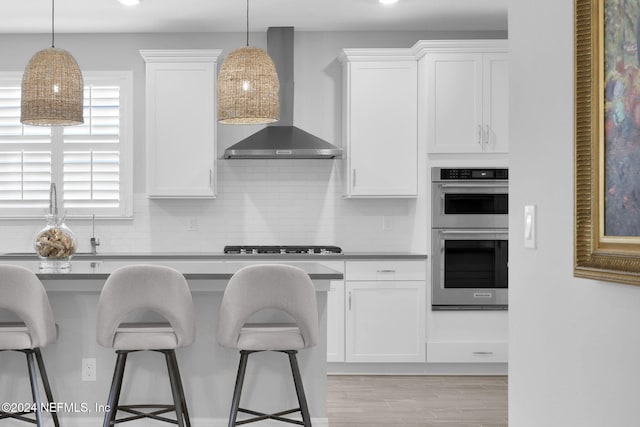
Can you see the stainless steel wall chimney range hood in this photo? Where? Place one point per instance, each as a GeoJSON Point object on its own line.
{"type": "Point", "coordinates": [283, 140]}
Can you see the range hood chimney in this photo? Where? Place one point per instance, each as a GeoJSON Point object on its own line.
{"type": "Point", "coordinates": [282, 140]}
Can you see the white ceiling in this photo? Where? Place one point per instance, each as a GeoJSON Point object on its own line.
{"type": "Point", "coordinates": [109, 16]}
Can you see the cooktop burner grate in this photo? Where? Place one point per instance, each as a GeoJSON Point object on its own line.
{"type": "Point", "coordinates": [257, 250]}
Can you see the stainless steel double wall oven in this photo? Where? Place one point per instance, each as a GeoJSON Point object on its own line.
{"type": "Point", "coordinates": [469, 238]}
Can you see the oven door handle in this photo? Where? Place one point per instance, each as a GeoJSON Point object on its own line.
{"type": "Point", "coordinates": [474, 185]}
{"type": "Point", "coordinates": [488, 231]}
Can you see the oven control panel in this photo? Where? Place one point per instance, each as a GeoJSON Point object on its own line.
{"type": "Point", "coordinates": [455, 173]}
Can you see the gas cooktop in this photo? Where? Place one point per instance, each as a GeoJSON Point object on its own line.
{"type": "Point", "coordinates": [257, 250]}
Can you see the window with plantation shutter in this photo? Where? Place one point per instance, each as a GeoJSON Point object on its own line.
{"type": "Point", "coordinates": [90, 163]}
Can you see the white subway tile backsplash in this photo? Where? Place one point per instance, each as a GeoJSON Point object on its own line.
{"type": "Point", "coordinates": [259, 202]}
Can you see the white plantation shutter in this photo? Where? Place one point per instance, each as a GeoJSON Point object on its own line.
{"type": "Point", "coordinates": [25, 177]}
{"type": "Point", "coordinates": [25, 156]}
{"type": "Point", "coordinates": [101, 116]}
{"type": "Point", "coordinates": [91, 162]}
{"type": "Point", "coordinates": [11, 130]}
{"type": "Point", "coordinates": [91, 178]}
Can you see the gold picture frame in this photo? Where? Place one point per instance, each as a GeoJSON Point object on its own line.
{"type": "Point", "coordinates": [607, 127]}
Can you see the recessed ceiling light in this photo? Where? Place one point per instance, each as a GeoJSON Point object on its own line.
{"type": "Point", "coordinates": [388, 1]}
{"type": "Point", "coordinates": [130, 2]}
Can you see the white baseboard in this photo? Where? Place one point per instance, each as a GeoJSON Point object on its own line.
{"type": "Point", "coordinates": [336, 368]}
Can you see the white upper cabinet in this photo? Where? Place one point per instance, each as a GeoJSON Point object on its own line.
{"type": "Point", "coordinates": [496, 102]}
{"type": "Point", "coordinates": [454, 102]}
{"type": "Point", "coordinates": [181, 122]}
{"type": "Point", "coordinates": [380, 122]}
{"type": "Point", "coordinates": [465, 95]}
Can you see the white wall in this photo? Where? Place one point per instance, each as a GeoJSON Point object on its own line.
{"type": "Point", "coordinates": [574, 344]}
{"type": "Point", "coordinates": [260, 202]}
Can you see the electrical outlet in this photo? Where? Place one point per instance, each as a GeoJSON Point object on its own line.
{"type": "Point", "coordinates": [89, 369]}
{"type": "Point", "coordinates": [387, 223]}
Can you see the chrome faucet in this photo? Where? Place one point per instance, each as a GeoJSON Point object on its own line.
{"type": "Point", "coordinates": [95, 241]}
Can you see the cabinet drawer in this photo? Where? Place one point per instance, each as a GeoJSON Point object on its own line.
{"type": "Point", "coordinates": [385, 270]}
{"type": "Point", "coordinates": [467, 352]}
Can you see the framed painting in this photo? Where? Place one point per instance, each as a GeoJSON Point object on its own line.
{"type": "Point", "coordinates": [607, 140]}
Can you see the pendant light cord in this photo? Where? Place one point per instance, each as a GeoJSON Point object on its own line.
{"type": "Point", "coordinates": [247, 23]}
{"type": "Point", "coordinates": [53, 11]}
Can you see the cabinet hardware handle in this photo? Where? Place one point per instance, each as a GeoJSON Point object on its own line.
{"type": "Point", "coordinates": [386, 271]}
{"type": "Point", "coordinates": [349, 301]}
{"type": "Point", "coordinates": [473, 185]}
{"type": "Point", "coordinates": [479, 135]}
{"type": "Point", "coordinates": [210, 178]}
{"type": "Point", "coordinates": [354, 179]}
{"type": "Point", "coordinates": [487, 231]}
{"type": "Point", "coordinates": [483, 353]}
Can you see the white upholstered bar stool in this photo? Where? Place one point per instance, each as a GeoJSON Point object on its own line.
{"type": "Point", "coordinates": [269, 286]}
{"type": "Point", "coordinates": [22, 293]}
{"type": "Point", "coordinates": [137, 289]}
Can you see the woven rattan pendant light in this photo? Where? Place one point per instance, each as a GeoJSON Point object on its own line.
{"type": "Point", "coordinates": [248, 87]}
{"type": "Point", "coordinates": [52, 87]}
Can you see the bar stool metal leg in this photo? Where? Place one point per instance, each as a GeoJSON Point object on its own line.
{"type": "Point", "coordinates": [34, 387]}
{"type": "Point", "coordinates": [45, 383]}
{"type": "Point", "coordinates": [297, 380]}
{"type": "Point", "coordinates": [156, 411]}
{"type": "Point", "coordinates": [175, 389]}
{"type": "Point", "coordinates": [114, 392]}
{"type": "Point", "coordinates": [237, 391]}
{"type": "Point", "coordinates": [183, 399]}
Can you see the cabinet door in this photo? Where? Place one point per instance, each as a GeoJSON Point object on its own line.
{"type": "Point", "coordinates": [181, 128]}
{"type": "Point", "coordinates": [496, 103]}
{"type": "Point", "coordinates": [335, 322]}
{"type": "Point", "coordinates": [454, 102]}
{"type": "Point", "coordinates": [385, 321]}
{"type": "Point", "coordinates": [382, 129]}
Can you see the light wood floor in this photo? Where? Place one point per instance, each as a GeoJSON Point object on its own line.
{"type": "Point", "coordinates": [417, 401]}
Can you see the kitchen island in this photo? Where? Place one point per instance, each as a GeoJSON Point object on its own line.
{"type": "Point", "coordinates": [208, 370]}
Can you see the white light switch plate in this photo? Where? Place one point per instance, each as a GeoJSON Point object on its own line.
{"type": "Point", "coordinates": [530, 226]}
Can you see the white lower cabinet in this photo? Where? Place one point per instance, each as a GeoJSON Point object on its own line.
{"type": "Point", "coordinates": [378, 315]}
{"type": "Point", "coordinates": [467, 336]}
{"type": "Point", "coordinates": [385, 321]}
{"type": "Point", "coordinates": [335, 322]}
{"type": "Point", "coordinates": [384, 311]}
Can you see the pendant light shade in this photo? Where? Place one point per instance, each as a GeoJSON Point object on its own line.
{"type": "Point", "coordinates": [52, 87]}
{"type": "Point", "coordinates": [248, 88]}
{"type": "Point", "coordinates": [52, 90]}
